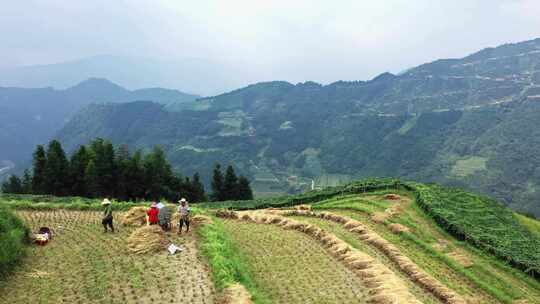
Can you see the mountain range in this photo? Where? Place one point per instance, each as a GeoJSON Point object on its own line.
{"type": "Point", "coordinates": [33, 116]}
{"type": "Point", "coordinates": [187, 75]}
{"type": "Point", "coordinates": [468, 122]}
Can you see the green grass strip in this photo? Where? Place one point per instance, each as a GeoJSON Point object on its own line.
{"type": "Point", "coordinates": [227, 263]}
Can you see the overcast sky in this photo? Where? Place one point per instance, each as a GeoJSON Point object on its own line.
{"type": "Point", "coordinates": [292, 40]}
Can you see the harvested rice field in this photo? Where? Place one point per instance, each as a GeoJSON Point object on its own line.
{"type": "Point", "coordinates": [477, 276]}
{"type": "Point", "coordinates": [84, 265]}
{"type": "Point", "coordinates": [294, 268]}
{"type": "Point", "coordinates": [379, 247]}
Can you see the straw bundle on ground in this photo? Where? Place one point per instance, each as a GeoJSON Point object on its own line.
{"type": "Point", "coordinates": [398, 228]}
{"type": "Point", "coordinates": [236, 294]}
{"type": "Point", "coordinates": [135, 216]}
{"type": "Point", "coordinates": [198, 220]}
{"type": "Point", "coordinates": [147, 239]}
{"type": "Point", "coordinates": [303, 207]}
{"type": "Point", "coordinates": [224, 213]}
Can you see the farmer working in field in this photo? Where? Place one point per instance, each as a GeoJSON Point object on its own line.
{"type": "Point", "coordinates": [183, 210]}
{"type": "Point", "coordinates": [107, 220]}
{"type": "Point", "coordinates": [164, 217]}
{"type": "Point", "coordinates": [153, 214]}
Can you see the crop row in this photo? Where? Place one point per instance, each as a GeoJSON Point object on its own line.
{"type": "Point", "coordinates": [483, 222]}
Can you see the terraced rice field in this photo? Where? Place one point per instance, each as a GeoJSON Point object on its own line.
{"type": "Point", "coordinates": [291, 255]}
{"type": "Point", "coordinates": [294, 268]}
{"type": "Point", "coordinates": [479, 277]}
{"type": "Point", "coordinates": [84, 265]}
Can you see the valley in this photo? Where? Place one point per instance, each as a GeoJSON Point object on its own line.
{"type": "Point", "coordinates": [464, 122]}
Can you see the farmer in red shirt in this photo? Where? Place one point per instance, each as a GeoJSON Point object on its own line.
{"type": "Point", "coordinates": [153, 214]}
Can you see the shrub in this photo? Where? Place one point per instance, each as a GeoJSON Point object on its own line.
{"type": "Point", "coordinates": [13, 240]}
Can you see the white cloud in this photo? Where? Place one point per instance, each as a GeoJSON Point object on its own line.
{"type": "Point", "coordinates": [290, 40]}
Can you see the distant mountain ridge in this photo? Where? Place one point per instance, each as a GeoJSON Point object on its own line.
{"type": "Point", "coordinates": [468, 122]}
{"type": "Point", "coordinates": [33, 116]}
{"type": "Point", "coordinates": [187, 75]}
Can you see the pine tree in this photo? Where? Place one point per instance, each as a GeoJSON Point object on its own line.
{"type": "Point", "coordinates": [38, 175]}
{"type": "Point", "coordinates": [103, 152]}
{"type": "Point", "coordinates": [230, 185]}
{"type": "Point", "coordinates": [77, 168]}
{"type": "Point", "coordinates": [27, 182]}
{"type": "Point", "coordinates": [158, 175]}
{"type": "Point", "coordinates": [56, 170]}
{"type": "Point", "coordinates": [91, 180]}
{"type": "Point", "coordinates": [12, 185]}
{"type": "Point", "coordinates": [122, 166]}
{"type": "Point", "coordinates": [244, 189]}
{"type": "Point", "coordinates": [198, 189]}
{"type": "Point", "coordinates": [217, 184]}
{"type": "Point", "coordinates": [135, 176]}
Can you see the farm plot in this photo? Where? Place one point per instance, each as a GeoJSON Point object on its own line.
{"type": "Point", "coordinates": [84, 265]}
{"type": "Point", "coordinates": [353, 240]}
{"type": "Point", "coordinates": [294, 268]}
{"type": "Point", "coordinates": [478, 276]}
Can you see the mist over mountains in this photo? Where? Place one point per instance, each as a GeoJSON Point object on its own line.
{"type": "Point", "coordinates": [466, 122]}
{"type": "Point", "coordinates": [196, 76]}
{"type": "Point", "coordinates": [33, 116]}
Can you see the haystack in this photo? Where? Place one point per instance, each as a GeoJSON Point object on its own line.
{"type": "Point", "coordinates": [236, 294]}
{"type": "Point", "coordinates": [303, 207]}
{"type": "Point", "coordinates": [398, 228]}
{"type": "Point", "coordinates": [224, 213]}
{"type": "Point", "coordinates": [147, 239]}
{"type": "Point", "coordinates": [135, 216]}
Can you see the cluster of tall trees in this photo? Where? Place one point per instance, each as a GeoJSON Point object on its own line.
{"type": "Point", "coordinates": [229, 186]}
{"type": "Point", "coordinates": [100, 170]}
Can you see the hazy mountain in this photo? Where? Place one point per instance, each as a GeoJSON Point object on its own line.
{"type": "Point", "coordinates": [468, 122]}
{"type": "Point", "coordinates": [32, 116]}
{"type": "Point", "coordinates": [191, 75]}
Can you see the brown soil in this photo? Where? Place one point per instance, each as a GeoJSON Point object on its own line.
{"type": "Point", "coordinates": [236, 294]}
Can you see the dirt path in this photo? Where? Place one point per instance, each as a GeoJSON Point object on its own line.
{"type": "Point", "coordinates": [293, 268]}
{"type": "Point", "coordinates": [84, 265]}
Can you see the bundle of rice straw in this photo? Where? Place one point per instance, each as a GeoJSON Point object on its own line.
{"type": "Point", "coordinates": [224, 213]}
{"type": "Point", "coordinates": [303, 207]}
{"type": "Point", "coordinates": [135, 216]}
{"type": "Point", "coordinates": [147, 239]}
{"type": "Point", "coordinates": [236, 294]}
{"type": "Point", "coordinates": [201, 220]}
{"type": "Point", "coordinates": [398, 228]}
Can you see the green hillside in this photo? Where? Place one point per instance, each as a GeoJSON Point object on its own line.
{"type": "Point", "coordinates": [465, 122]}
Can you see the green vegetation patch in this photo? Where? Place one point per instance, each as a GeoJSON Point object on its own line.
{"type": "Point", "coordinates": [531, 224]}
{"type": "Point", "coordinates": [408, 125]}
{"type": "Point", "coordinates": [13, 239]}
{"type": "Point", "coordinates": [227, 263]}
{"type": "Point", "coordinates": [468, 166]}
{"type": "Point", "coordinates": [483, 222]}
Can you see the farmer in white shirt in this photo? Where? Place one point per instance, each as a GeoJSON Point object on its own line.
{"type": "Point", "coordinates": [183, 210]}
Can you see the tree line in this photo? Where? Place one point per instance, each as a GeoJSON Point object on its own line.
{"type": "Point", "coordinates": [101, 170]}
